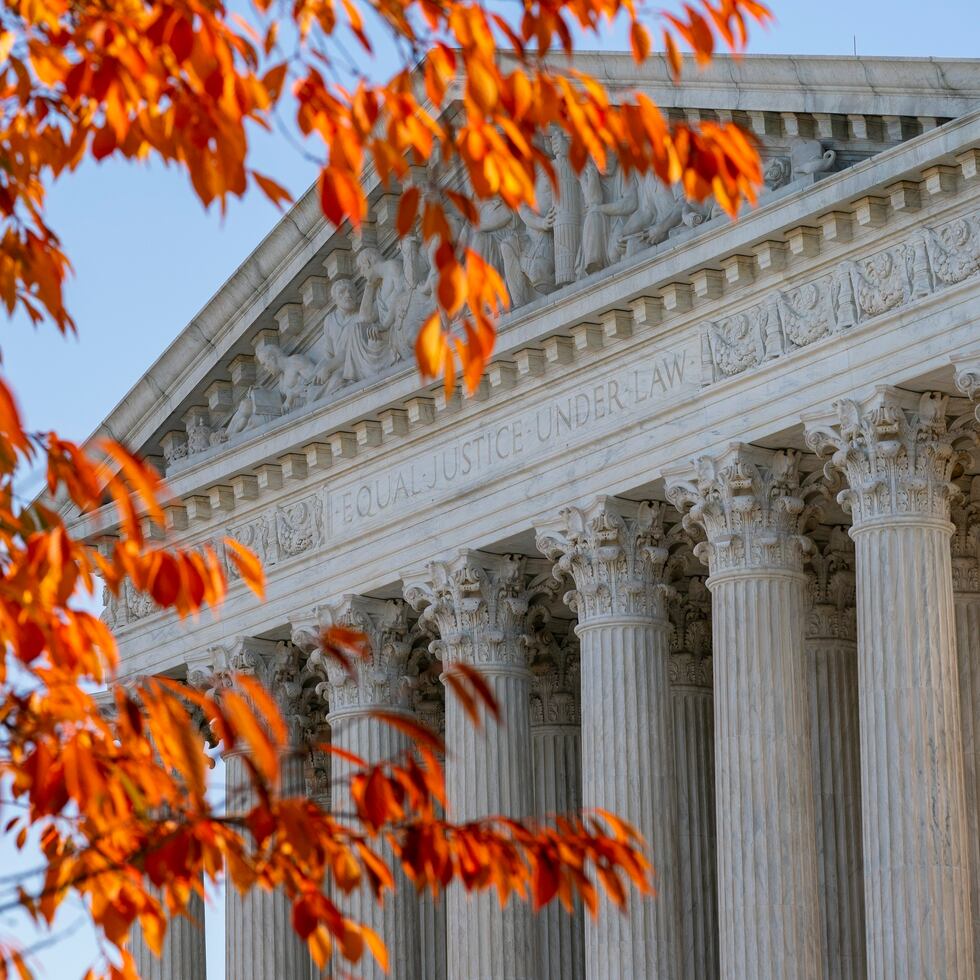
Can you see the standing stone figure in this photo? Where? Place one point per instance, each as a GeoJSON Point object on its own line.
{"type": "Point", "coordinates": [594, 251]}
{"type": "Point", "coordinates": [384, 288]}
{"type": "Point", "coordinates": [568, 212]}
{"type": "Point", "coordinates": [496, 239]}
{"type": "Point", "coordinates": [538, 255]}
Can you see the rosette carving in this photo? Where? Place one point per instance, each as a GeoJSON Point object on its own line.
{"type": "Point", "coordinates": [897, 453]}
{"type": "Point", "coordinates": [751, 507]}
{"type": "Point", "coordinates": [614, 551]}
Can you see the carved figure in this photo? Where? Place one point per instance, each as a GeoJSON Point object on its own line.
{"type": "Point", "coordinates": [620, 212]}
{"type": "Point", "coordinates": [198, 436]}
{"type": "Point", "coordinates": [384, 287]}
{"type": "Point", "coordinates": [594, 251]}
{"type": "Point", "coordinates": [670, 206]}
{"type": "Point", "coordinates": [496, 238]}
{"type": "Point", "coordinates": [293, 374]}
{"type": "Point", "coordinates": [778, 173]}
{"type": "Point", "coordinates": [568, 211]}
{"type": "Point", "coordinates": [538, 256]}
{"type": "Point", "coordinates": [350, 349]}
{"type": "Point", "coordinates": [809, 157]}
{"type": "Point", "coordinates": [417, 302]}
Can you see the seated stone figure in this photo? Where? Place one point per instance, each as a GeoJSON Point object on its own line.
{"type": "Point", "coordinates": [293, 374]}
{"type": "Point", "coordinates": [350, 349]}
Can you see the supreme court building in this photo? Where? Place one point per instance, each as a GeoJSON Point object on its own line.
{"type": "Point", "coordinates": [710, 528]}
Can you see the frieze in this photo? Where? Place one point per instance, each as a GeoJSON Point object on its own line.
{"type": "Point", "coordinates": [472, 459]}
{"type": "Point", "coordinates": [929, 260]}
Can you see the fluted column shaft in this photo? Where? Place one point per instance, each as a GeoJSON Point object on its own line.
{"type": "Point", "coordinates": [748, 503]}
{"type": "Point", "coordinates": [833, 690]}
{"type": "Point", "coordinates": [478, 604]}
{"type": "Point", "coordinates": [489, 774]}
{"type": "Point", "coordinates": [898, 458]}
{"type": "Point", "coordinates": [766, 829]}
{"type": "Point", "coordinates": [694, 753]}
{"type": "Point", "coordinates": [183, 954]}
{"type": "Point", "coordinates": [966, 605]}
{"type": "Point", "coordinates": [260, 943]}
{"type": "Point", "coordinates": [377, 682]}
{"type": "Point", "coordinates": [396, 919]}
{"type": "Point", "coordinates": [916, 871]}
{"type": "Point", "coordinates": [831, 644]}
{"type": "Point", "coordinates": [626, 716]}
{"type": "Point", "coordinates": [556, 746]}
{"type": "Point", "coordinates": [613, 552]}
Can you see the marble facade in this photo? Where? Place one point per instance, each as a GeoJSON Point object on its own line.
{"type": "Point", "coordinates": [710, 527]}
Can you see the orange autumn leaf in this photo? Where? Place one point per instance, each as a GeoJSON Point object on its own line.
{"type": "Point", "coordinates": [248, 565]}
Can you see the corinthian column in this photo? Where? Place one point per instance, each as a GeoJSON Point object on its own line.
{"type": "Point", "coordinates": [831, 645]}
{"type": "Point", "coordinates": [430, 708]}
{"type": "Point", "coordinates": [557, 770]}
{"type": "Point", "coordinates": [898, 458]}
{"type": "Point", "coordinates": [748, 503]}
{"type": "Point", "coordinates": [260, 943]}
{"type": "Point", "coordinates": [966, 603]}
{"type": "Point", "coordinates": [380, 683]}
{"type": "Point", "coordinates": [478, 603]}
{"type": "Point", "coordinates": [613, 552]}
{"type": "Point", "coordinates": [691, 681]}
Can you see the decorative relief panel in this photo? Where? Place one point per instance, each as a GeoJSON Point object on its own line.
{"type": "Point", "coordinates": [276, 535]}
{"type": "Point", "coordinates": [930, 259]}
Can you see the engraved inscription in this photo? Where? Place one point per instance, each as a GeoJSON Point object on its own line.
{"type": "Point", "coordinates": [472, 459]}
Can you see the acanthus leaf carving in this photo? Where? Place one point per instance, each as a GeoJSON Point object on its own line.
{"type": "Point", "coordinates": [966, 539]}
{"type": "Point", "coordinates": [751, 506]}
{"type": "Point", "coordinates": [897, 452]}
{"type": "Point", "coordinates": [479, 605]}
{"type": "Point", "coordinates": [614, 553]}
{"type": "Point", "coordinates": [381, 680]}
{"type": "Point", "coordinates": [831, 589]}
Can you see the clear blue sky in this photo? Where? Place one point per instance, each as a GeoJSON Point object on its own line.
{"type": "Point", "coordinates": [147, 258]}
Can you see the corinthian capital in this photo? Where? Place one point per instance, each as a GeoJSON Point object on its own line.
{"type": "Point", "coordinates": [280, 668]}
{"type": "Point", "coordinates": [380, 681]}
{"type": "Point", "coordinates": [479, 603]}
{"type": "Point", "coordinates": [556, 678]}
{"type": "Point", "coordinates": [830, 584]}
{"type": "Point", "coordinates": [614, 551]}
{"type": "Point", "coordinates": [966, 540]}
{"type": "Point", "coordinates": [896, 451]}
{"type": "Point", "coordinates": [749, 503]}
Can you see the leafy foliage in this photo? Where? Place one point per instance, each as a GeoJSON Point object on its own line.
{"type": "Point", "coordinates": [118, 796]}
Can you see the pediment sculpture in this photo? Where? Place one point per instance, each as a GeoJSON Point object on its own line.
{"type": "Point", "coordinates": [374, 312]}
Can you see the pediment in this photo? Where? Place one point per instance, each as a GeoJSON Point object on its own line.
{"type": "Point", "coordinates": [315, 320]}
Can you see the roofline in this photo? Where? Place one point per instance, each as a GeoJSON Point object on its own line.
{"type": "Point", "coordinates": [945, 87]}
